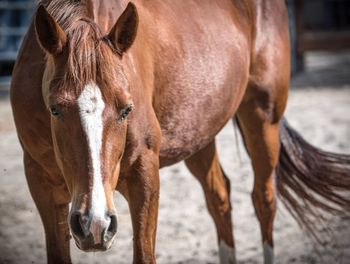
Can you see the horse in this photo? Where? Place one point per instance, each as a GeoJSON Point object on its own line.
{"type": "Point", "coordinates": [105, 93]}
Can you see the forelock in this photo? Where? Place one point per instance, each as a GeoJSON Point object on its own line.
{"type": "Point", "coordinates": [88, 50]}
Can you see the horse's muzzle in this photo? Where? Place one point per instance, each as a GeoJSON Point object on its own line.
{"type": "Point", "coordinates": [91, 233]}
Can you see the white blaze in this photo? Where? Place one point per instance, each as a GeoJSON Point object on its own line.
{"type": "Point", "coordinates": [226, 253]}
{"type": "Point", "coordinates": [91, 107]}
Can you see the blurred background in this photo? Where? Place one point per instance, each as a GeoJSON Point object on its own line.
{"type": "Point", "coordinates": [15, 16]}
{"type": "Point", "coordinates": [318, 107]}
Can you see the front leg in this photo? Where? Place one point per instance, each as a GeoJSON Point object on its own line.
{"type": "Point", "coordinates": [143, 196]}
{"type": "Point", "coordinates": [52, 203]}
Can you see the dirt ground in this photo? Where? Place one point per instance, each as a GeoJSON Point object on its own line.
{"type": "Point", "coordinates": [319, 108]}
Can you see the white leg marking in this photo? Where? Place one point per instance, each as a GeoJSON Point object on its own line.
{"type": "Point", "coordinates": [227, 254]}
{"type": "Point", "coordinates": [268, 254]}
{"type": "Point", "coordinates": [91, 107]}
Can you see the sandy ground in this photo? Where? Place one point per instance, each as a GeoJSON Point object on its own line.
{"type": "Point", "coordinates": [319, 108]}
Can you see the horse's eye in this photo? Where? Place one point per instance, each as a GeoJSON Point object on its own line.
{"type": "Point", "coordinates": [54, 111]}
{"type": "Point", "coordinates": [125, 112]}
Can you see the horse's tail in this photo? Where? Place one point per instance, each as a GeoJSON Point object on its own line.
{"type": "Point", "coordinates": [310, 181]}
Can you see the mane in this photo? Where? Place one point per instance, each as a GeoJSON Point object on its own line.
{"type": "Point", "coordinates": [84, 42]}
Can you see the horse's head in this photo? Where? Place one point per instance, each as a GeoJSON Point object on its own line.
{"type": "Point", "coordinates": [87, 95]}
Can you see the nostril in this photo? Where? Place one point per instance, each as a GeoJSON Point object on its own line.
{"type": "Point", "coordinates": [80, 225]}
{"type": "Point", "coordinates": [112, 228]}
{"type": "Point", "coordinates": [113, 224]}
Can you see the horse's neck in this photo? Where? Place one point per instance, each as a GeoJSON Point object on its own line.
{"type": "Point", "coordinates": [105, 12]}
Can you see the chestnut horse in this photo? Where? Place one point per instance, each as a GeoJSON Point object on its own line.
{"type": "Point", "coordinates": [104, 93]}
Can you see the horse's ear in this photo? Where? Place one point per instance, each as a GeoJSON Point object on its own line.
{"type": "Point", "coordinates": [123, 33]}
{"type": "Point", "coordinates": [50, 35]}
